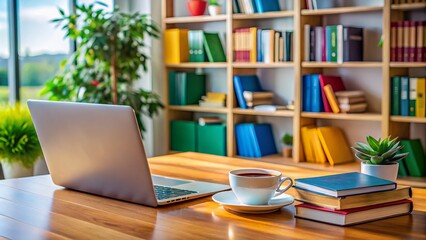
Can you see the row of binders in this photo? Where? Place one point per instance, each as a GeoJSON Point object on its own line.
{"type": "Point", "coordinates": [333, 43]}
{"type": "Point", "coordinates": [322, 93]}
{"type": "Point", "coordinates": [255, 6]}
{"type": "Point", "coordinates": [408, 41]}
{"type": "Point", "coordinates": [182, 45]}
{"type": "Point", "coordinates": [254, 140]}
{"type": "Point", "coordinates": [408, 96]}
{"type": "Point", "coordinates": [262, 45]}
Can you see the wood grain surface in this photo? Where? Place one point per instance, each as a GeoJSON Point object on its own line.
{"type": "Point", "coordinates": [35, 208]}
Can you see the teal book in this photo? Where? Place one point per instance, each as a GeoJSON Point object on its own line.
{"type": "Point", "coordinates": [415, 161]}
{"type": "Point", "coordinates": [183, 136]}
{"type": "Point", "coordinates": [213, 47]}
{"type": "Point", "coordinates": [331, 43]}
{"type": "Point", "coordinates": [173, 99]}
{"type": "Point", "coordinates": [395, 96]}
{"type": "Point", "coordinates": [345, 184]}
{"type": "Point", "coordinates": [211, 139]}
{"type": "Point", "coordinates": [405, 91]}
{"type": "Point", "coordinates": [196, 49]}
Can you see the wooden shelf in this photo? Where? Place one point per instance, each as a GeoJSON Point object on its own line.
{"type": "Point", "coordinates": [408, 6]}
{"type": "Point", "coordinates": [412, 181]}
{"type": "Point", "coordinates": [198, 65]}
{"type": "Point", "coordinates": [280, 14]}
{"type": "Point", "coordinates": [195, 19]}
{"type": "Point", "coordinates": [344, 116]}
{"type": "Point", "coordinates": [408, 119]}
{"type": "Point", "coordinates": [263, 65]}
{"type": "Point", "coordinates": [407, 64]}
{"type": "Point", "coordinates": [196, 108]}
{"type": "Point", "coordinates": [280, 113]}
{"type": "Point", "coordinates": [345, 64]}
{"type": "Point", "coordinates": [341, 10]}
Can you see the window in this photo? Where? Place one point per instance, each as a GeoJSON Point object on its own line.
{"type": "Point", "coordinates": [4, 52]}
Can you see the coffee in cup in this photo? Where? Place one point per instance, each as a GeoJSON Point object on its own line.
{"type": "Point", "coordinates": [257, 186]}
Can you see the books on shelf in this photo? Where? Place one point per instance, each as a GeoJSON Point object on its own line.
{"type": "Point", "coordinates": [351, 101]}
{"type": "Point", "coordinates": [350, 198]}
{"type": "Point", "coordinates": [255, 6]}
{"type": "Point", "coordinates": [408, 96]}
{"type": "Point", "coordinates": [262, 45]}
{"type": "Point", "coordinates": [186, 88]}
{"type": "Point", "coordinates": [243, 83]}
{"type": "Point", "coordinates": [408, 41]}
{"type": "Point", "coordinates": [336, 43]}
{"type": "Point", "coordinates": [255, 140]}
{"type": "Point", "coordinates": [257, 98]}
{"type": "Point", "coordinates": [415, 162]}
{"type": "Point", "coordinates": [336, 84]}
{"type": "Point", "coordinates": [209, 120]}
{"type": "Point", "coordinates": [318, 4]}
{"type": "Point", "coordinates": [269, 108]}
{"type": "Point", "coordinates": [196, 46]}
{"type": "Point", "coordinates": [213, 99]}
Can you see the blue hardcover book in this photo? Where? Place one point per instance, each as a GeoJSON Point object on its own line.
{"type": "Point", "coordinates": [267, 5]}
{"type": "Point", "coordinates": [245, 83]}
{"type": "Point", "coordinates": [259, 45]}
{"type": "Point", "coordinates": [316, 95]}
{"type": "Point", "coordinates": [345, 184]}
{"type": "Point", "coordinates": [405, 97]}
{"type": "Point", "coordinates": [241, 148]}
{"type": "Point", "coordinates": [254, 6]}
{"type": "Point", "coordinates": [264, 140]}
{"type": "Point", "coordinates": [250, 140]}
{"type": "Point", "coordinates": [307, 89]}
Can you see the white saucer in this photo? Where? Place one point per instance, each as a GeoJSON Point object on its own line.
{"type": "Point", "coordinates": [230, 202]}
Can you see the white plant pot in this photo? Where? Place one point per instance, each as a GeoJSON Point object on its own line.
{"type": "Point", "coordinates": [215, 10]}
{"type": "Point", "coordinates": [15, 170]}
{"type": "Point", "coordinates": [389, 172]}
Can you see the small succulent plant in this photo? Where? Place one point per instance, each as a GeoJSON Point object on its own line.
{"type": "Point", "coordinates": [378, 151]}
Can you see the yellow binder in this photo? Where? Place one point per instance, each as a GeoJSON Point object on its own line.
{"type": "Point", "coordinates": [307, 148]}
{"type": "Point", "coordinates": [176, 49]}
{"type": "Point", "coordinates": [421, 98]}
{"type": "Point", "coordinates": [335, 145]}
{"type": "Point", "coordinates": [319, 156]}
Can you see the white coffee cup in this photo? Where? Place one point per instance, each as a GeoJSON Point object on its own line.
{"type": "Point", "coordinates": [254, 186]}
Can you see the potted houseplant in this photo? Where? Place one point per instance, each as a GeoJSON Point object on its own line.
{"type": "Point", "coordinates": [214, 8]}
{"type": "Point", "coordinates": [109, 56]}
{"type": "Point", "coordinates": [196, 7]}
{"type": "Point", "coordinates": [287, 140]}
{"type": "Point", "coordinates": [19, 145]}
{"type": "Point", "coordinates": [380, 157]}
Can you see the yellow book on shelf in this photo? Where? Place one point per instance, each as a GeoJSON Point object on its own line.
{"type": "Point", "coordinates": [335, 146]}
{"type": "Point", "coordinates": [319, 155]}
{"type": "Point", "coordinates": [253, 44]}
{"type": "Point", "coordinates": [307, 148]}
{"type": "Point", "coordinates": [216, 95]}
{"type": "Point", "coordinates": [176, 48]}
{"type": "Point", "coordinates": [331, 98]}
{"type": "Point", "coordinates": [421, 97]}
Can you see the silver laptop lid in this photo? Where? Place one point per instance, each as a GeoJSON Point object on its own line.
{"type": "Point", "coordinates": [94, 148]}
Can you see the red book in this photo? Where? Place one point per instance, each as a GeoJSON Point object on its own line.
{"type": "Point", "coordinates": [336, 84]}
{"type": "Point", "coordinates": [393, 41]}
{"type": "Point", "coordinates": [399, 41]}
{"type": "Point", "coordinates": [354, 215]}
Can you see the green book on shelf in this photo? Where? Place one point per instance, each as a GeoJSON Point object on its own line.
{"type": "Point", "coordinates": [395, 96]}
{"type": "Point", "coordinates": [402, 169]}
{"type": "Point", "coordinates": [412, 96]}
{"type": "Point", "coordinates": [173, 100]}
{"type": "Point", "coordinates": [192, 87]}
{"type": "Point", "coordinates": [196, 49]}
{"type": "Point", "coordinates": [415, 160]}
{"type": "Point", "coordinates": [331, 43]}
{"type": "Point", "coordinates": [183, 136]}
{"type": "Point", "coordinates": [211, 139]}
{"type": "Point", "coordinates": [213, 47]}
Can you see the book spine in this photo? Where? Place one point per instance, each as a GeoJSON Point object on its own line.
{"type": "Point", "coordinates": [424, 42]}
{"type": "Point", "coordinates": [413, 96]}
{"type": "Point", "coordinates": [393, 42]}
{"type": "Point", "coordinates": [333, 43]}
{"type": "Point", "coordinates": [395, 96]}
{"type": "Point", "coordinates": [400, 42]}
{"type": "Point", "coordinates": [312, 44]}
{"type": "Point", "coordinates": [253, 44]}
{"type": "Point", "coordinates": [405, 83]}
{"type": "Point", "coordinates": [306, 90]}
{"type": "Point", "coordinates": [289, 46]}
{"type": "Point", "coordinates": [324, 45]}
{"type": "Point", "coordinates": [339, 42]}
{"type": "Point", "coordinates": [318, 44]}
{"type": "Point", "coordinates": [421, 97]}
{"type": "Point", "coordinates": [406, 43]}
{"type": "Point", "coordinates": [259, 45]}
{"type": "Point", "coordinates": [412, 43]}
{"type": "Point", "coordinates": [307, 43]}
{"type": "Point", "coordinates": [419, 44]}
{"type": "Point", "coordinates": [317, 105]}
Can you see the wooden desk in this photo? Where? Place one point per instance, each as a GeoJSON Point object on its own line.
{"type": "Point", "coordinates": [32, 208]}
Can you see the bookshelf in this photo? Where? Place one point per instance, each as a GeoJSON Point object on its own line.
{"type": "Point", "coordinates": [374, 73]}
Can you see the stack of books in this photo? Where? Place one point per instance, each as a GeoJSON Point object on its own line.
{"type": "Point", "coordinates": [351, 101]}
{"type": "Point", "coordinates": [262, 45]}
{"type": "Point", "coordinates": [258, 98]}
{"type": "Point", "coordinates": [350, 198]}
{"type": "Point", "coordinates": [319, 145]}
{"type": "Point", "coordinates": [415, 163]}
{"type": "Point", "coordinates": [408, 41]}
{"type": "Point", "coordinates": [333, 43]}
{"type": "Point", "coordinates": [186, 88]}
{"type": "Point", "coordinates": [255, 6]}
{"type": "Point", "coordinates": [255, 140]}
{"type": "Point", "coordinates": [213, 99]}
{"type": "Point", "coordinates": [408, 96]}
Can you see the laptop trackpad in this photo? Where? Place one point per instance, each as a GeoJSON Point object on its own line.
{"type": "Point", "coordinates": [165, 181]}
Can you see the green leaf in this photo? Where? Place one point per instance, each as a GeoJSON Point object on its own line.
{"type": "Point", "coordinates": [374, 144]}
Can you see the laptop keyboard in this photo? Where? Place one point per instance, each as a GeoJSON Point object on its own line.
{"type": "Point", "coordinates": [162, 192]}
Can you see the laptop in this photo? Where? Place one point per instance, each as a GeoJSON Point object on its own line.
{"type": "Point", "coordinates": [98, 149]}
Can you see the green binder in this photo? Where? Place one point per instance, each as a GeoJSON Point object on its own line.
{"type": "Point", "coordinates": [213, 47]}
{"type": "Point", "coordinates": [396, 96]}
{"type": "Point", "coordinates": [402, 169]}
{"type": "Point", "coordinates": [192, 88]}
{"type": "Point", "coordinates": [415, 160]}
{"type": "Point", "coordinates": [196, 49]}
{"type": "Point", "coordinates": [183, 136]}
{"type": "Point", "coordinates": [173, 99]}
{"type": "Point", "coordinates": [211, 139]}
